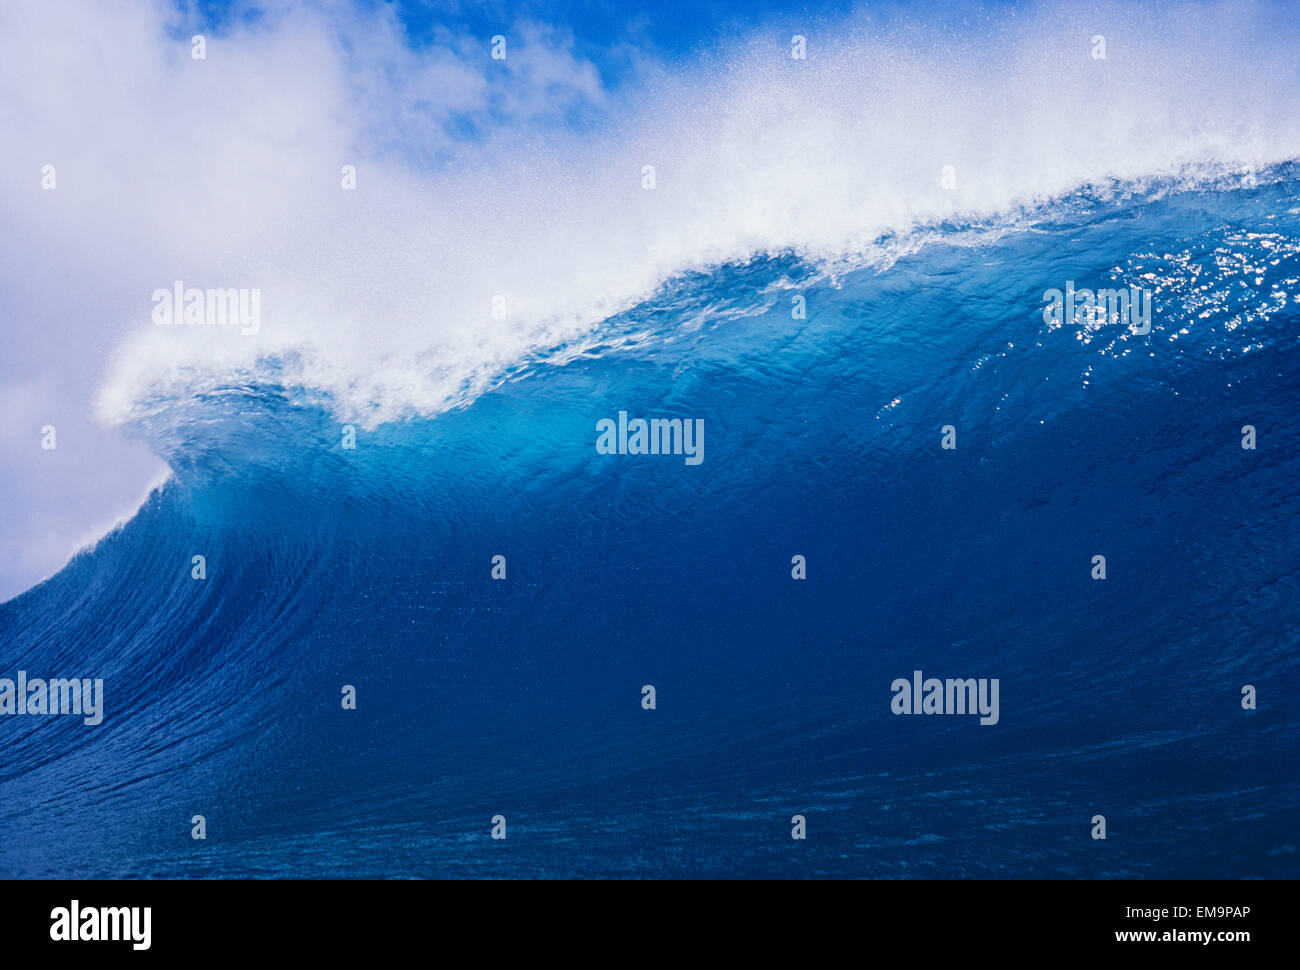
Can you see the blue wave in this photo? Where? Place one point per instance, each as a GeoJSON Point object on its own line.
{"type": "Point", "coordinates": [371, 567]}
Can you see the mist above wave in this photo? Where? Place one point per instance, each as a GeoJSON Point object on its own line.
{"type": "Point", "coordinates": [419, 289]}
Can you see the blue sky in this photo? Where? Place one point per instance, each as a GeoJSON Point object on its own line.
{"type": "Point", "coordinates": [670, 27]}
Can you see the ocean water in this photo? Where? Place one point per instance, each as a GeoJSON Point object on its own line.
{"type": "Point", "coordinates": [372, 567]}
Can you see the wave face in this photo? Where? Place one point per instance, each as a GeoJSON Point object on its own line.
{"type": "Point", "coordinates": [475, 697]}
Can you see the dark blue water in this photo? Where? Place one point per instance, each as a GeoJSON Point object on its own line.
{"type": "Point", "coordinates": [372, 567]}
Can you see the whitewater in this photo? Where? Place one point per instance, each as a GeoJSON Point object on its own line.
{"type": "Point", "coordinates": [382, 301]}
